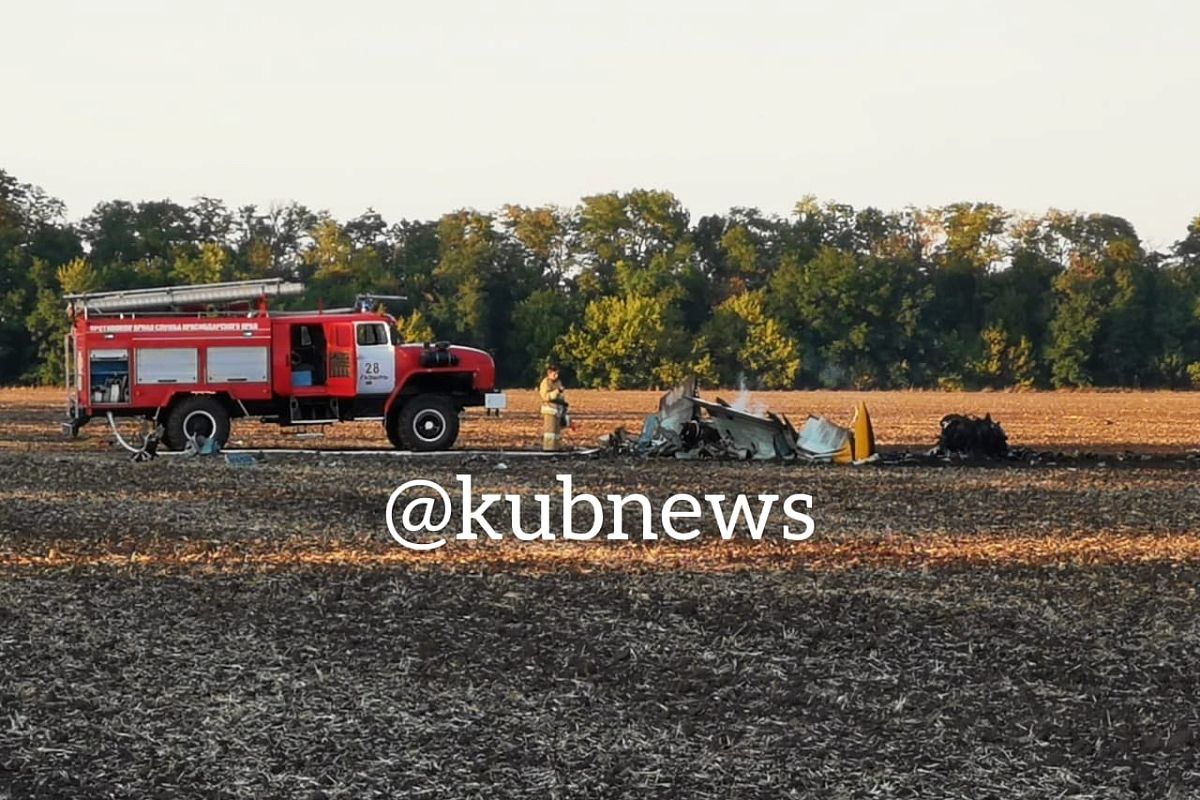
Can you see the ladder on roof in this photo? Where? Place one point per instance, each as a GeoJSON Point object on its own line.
{"type": "Point", "coordinates": [167, 297]}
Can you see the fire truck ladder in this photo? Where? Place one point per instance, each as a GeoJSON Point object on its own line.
{"type": "Point", "coordinates": [175, 297]}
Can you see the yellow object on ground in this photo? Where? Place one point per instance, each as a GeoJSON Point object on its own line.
{"type": "Point", "coordinates": [861, 444]}
{"type": "Point", "coordinates": [863, 434]}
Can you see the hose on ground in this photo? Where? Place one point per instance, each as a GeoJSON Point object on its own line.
{"type": "Point", "coordinates": [145, 451]}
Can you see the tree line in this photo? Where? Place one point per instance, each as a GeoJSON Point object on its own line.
{"type": "Point", "coordinates": [625, 290]}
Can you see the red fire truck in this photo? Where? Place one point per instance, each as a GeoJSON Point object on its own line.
{"type": "Point", "coordinates": [192, 358]}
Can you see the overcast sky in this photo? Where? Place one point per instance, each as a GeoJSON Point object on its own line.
{"type": "Point", "coordinates": [421, 108]}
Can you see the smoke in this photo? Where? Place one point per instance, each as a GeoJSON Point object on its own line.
{"type": "Point", "coordinates": [745, 402]}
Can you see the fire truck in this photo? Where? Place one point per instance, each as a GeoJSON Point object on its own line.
{"type": "Point", "coordinates": [190, 359]}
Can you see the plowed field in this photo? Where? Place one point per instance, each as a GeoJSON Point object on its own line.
{"type": "Point", "coordinates": [186, 627]}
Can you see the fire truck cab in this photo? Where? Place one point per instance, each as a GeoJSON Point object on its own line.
{"type": "Point", "coordinates": [169, 356]}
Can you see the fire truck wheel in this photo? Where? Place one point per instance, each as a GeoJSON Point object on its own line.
{"type": "Point", "coordinates": [196, 416]}
{"type": "Point", "coordinates": [427, 422]}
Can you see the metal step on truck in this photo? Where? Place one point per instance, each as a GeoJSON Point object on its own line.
{"type": "Point", "coordinates": [190, 359]}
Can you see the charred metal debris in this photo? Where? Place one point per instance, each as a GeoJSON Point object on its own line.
{"type": "Point", "coordinates": [687, 427]}
{"type": "Point", "coordinates": [976, 437]}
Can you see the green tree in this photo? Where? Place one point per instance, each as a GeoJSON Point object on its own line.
{"type": "Point", "coordinates": [415, 328]}
{"type": "Point", "coordinates": [962, 243]}
{"type": "Point", "coordinates": [622, 343]}
{"type": "Point", "coordinates": [626, 288]}
{"type": "Point", "coordinates": [467, 249]}
{"type": "Point", "coordinates": [771, 356]}
{"type": "Point", "coordinates": [747, 253]}
{"type": "Point", "coordinates": [328, 257]}
{"type": "Point", "coordinates": [414, 258]}
{"type": "Point", "coordinates": [1003, 362]}
{"type": "Point", "coordinates": [748, 346]}
{"type": "Point", "coordinates": [1022, 364]}
{"type": "Point", "coordinates": [547, 234]}
{"type": "Point", "coordinates": [48, 322]}
{"type": "Point", "coordinates": [210, 265]}
{"type": "Point", "coordinates": [637, 241]}
{"type": "Point", "coordinates": [1103, 330]}
{"type": "Point", "coordinates": [538, 321]}
{"type": "Point", "coordinates": [1074, 329]}
{"type": "Point", "coordinates": [33, 234]}
{"type": "Point", "coordinates": [858, 317]}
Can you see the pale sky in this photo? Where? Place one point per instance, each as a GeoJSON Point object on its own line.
{"type": "Point", "coordinates": [417, 109]}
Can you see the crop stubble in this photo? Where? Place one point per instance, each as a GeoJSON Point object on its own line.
{"type": "Point", "coordinates": [186, 626]}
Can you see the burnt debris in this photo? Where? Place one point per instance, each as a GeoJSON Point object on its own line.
{"type": "Point", "coordinates": [687, 427]}
{"type": "Point", "coordinates": [970, 436]}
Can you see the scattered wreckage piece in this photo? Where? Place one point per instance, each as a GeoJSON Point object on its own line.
{"type": "Point", "coordinates": [970, 436]}
{"type": "Point", "coordinates": [822, 439]}
{"type": "Point", "coordinates": [687, 427]}
{"type": "Point", "coordinates": [675, 408]}
{"type": "Point", "coordinates": [758, 437]}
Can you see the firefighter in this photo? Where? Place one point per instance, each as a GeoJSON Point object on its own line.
{"type": "Point", "coordinates": [554, 409]}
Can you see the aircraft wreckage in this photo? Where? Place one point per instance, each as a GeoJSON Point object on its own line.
{"type": "Point", "coordinates": [688, 427]}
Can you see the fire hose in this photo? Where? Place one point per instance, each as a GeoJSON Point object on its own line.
{"type": "Point", "coordinates": [148, 448]}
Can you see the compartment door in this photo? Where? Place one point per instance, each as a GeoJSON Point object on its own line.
{"type": "Point", "coordinates": [340, 380]}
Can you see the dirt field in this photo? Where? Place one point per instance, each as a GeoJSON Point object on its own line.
{"type": "Point", "coordinates": [190, 628]}
{"type": "Point", "coordinates": [1151, 422]}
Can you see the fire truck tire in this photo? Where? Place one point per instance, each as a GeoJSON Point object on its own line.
{"type": "Point", "coordinates": [426, 422]}
{"type": "Point", "coordinates": [202, 416]}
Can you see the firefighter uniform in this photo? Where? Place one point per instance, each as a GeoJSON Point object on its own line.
{"type": "Point", "coordinates": [551, 392]}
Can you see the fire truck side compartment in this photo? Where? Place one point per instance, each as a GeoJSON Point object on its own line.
{"type": "Point", "coordinates": [236, 364]}
{"type": "Point", "coordinates": [167, 365]}
{"type": "Point", "coordinates": [108, 376]}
